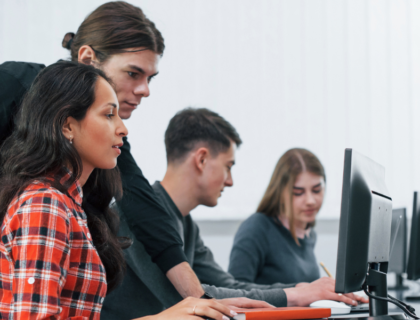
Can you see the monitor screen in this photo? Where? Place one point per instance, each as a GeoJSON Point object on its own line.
{"type": "Point", "coordinates": [398, 255]}
{"type": "Point", "coordinates": [365, 221]}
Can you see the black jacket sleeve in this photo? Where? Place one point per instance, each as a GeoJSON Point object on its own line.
{"type": "Point", "coordinates": [148, 220]}
{"type": "Point", "coordinates": [15, 80]}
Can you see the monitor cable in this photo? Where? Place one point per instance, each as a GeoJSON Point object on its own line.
{"type": "Point", "coordinates": [409, 310]}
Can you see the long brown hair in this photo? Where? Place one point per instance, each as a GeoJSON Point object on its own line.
{"type": "Point", "coordinates": [289, 166]}
{"type": "Point", "coordinates": [113, 28]}
{"type": "Point", "coordinates": [37, 150]}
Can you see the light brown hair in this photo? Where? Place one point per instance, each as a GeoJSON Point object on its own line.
{"type": "Point", "coordinates": [289, 166]}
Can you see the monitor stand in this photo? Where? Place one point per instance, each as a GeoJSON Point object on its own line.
{"type": "Point", "coordinates": [377, 286]}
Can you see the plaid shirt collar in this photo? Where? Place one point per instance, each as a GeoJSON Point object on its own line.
{"type": "Point", "coordinates": [75, 191]}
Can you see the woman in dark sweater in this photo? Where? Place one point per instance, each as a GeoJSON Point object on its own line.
{"type": "Point", "coordinates": [276, 244]}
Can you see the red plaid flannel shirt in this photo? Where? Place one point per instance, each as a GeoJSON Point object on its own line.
{"type": "Point", "coordinates": [49, 268]}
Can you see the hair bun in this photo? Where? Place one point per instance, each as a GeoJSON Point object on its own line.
{"type": "Point", "coordinates": [67, 40]}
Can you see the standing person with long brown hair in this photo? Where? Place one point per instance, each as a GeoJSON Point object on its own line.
{"type": "Point", "coordinates": [276, 244]}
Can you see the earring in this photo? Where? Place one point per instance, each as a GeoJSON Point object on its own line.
{"type": "Point", "coordinates": [71, 140]}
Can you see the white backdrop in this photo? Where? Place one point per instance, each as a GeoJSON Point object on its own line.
{"type": "Point", "coordinates": [323, 75]}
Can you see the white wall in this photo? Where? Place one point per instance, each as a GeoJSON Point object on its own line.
{"type": "Point", "coordinates": [324, 75]}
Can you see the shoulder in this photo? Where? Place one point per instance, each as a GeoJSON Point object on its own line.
{"type": "Point", "coordinates": [40, 198]}
{"type": "Point", "coordinates": [255, 227]}
{"type": "Point", "coordinates": [23, 72]}
{"type": "Point", "coordinates": [258, 221]}
{"type": "Point", "coordinates": [38, 213]}
{"type": "Point", "coordinates": [18, 76]}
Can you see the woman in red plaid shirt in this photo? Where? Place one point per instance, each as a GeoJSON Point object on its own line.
{"type": "Point", "coordinates": [67, 136]}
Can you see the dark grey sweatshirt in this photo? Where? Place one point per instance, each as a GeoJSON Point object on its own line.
{"type": "Point", "coordinates": [146, 290]}
{"type": "Point", "coordinates": [265, 252]}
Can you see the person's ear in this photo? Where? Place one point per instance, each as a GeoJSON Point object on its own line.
{"type": "Point", "coordinates": [201, 157]}
{"type": "Point", "coordinates": [68, 128]}
{"type": "Point", "coordinates": [87, 55]}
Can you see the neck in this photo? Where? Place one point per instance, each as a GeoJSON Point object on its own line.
{"type": "Point", "coordinates": [300, 227]}
{"type": "Point", "coordinates": [87, 170]}
{"type": "Point", "coordinates": [180, 188]}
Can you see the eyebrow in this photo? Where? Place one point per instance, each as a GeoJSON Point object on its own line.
{"type": "Point", "coordinates": [110, 104]}
{"type": "Point", "coordinates": [299, 188]}
{"type": "Point", "coordinates": [138, 69]}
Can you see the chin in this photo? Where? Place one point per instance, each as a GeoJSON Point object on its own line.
{"type": "Point", "coordinates": [125, 114]}
{"type": "Point", "coordinates": [210, 203]}
{"type": "Point", "coordinates": [310, 220]}
{"type": "Point", "coordinates": [108, 166]}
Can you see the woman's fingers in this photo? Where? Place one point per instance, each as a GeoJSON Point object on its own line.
{"type": "Point", "coordinates": [208, 312]}
{"type": "Point", "coordinates": [209, 308]}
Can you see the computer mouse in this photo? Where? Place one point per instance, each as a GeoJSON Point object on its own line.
{"type": "Point", "coordinates": [335, 306]}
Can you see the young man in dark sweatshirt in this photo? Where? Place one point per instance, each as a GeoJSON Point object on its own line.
{"type": "Point", "coordinates": [200, 147]}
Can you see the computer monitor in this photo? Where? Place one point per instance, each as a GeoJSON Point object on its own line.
{"type": "Point", "coordinates": [398, 253]}
{"type": "Point", "coordinates": [413, 265]}
{"type": "Point", "coordinates": [364, 230]}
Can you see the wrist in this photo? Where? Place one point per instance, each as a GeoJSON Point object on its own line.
{"type": "Point", "coordinates": [292, 297]}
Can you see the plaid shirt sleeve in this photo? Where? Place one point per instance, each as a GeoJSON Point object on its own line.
{"type": "Point", "coordinates": [36, 243]}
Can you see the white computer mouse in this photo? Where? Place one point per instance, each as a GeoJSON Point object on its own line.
{"type": "Point", "coordinates": [335, 306]}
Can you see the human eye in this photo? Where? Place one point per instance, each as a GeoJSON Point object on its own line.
{"type": "Point", "coordinates": [298, 192]}
{"type": "Point", "coordinates": [132, 74]}
{"type": "Point", "coordinates": [110, 115]}
{"type": "Point", "coordinates": [316, 190]}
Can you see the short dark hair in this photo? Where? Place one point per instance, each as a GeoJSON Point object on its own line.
{"type": "Point", "coordinates": [191, 126]}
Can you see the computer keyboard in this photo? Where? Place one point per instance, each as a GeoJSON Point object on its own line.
{"type": "Point", "coordinates": [364, 307]}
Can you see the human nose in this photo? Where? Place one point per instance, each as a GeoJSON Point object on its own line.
{"type": "Point", "coordinates": [142, 89]}
{"type": "Point", "coordinates": [229, 180]}
{"type": "Point", "coordinates": [310, 199]}
{"type": "Point", "coordinates": [121, 128]}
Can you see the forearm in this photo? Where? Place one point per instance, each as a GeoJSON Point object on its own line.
{"type": "Point", "coordinates": [185, 281]}
{"type": "Point", "coordinates": [275, 297]}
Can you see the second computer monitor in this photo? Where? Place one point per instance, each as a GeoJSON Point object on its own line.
{"type": "Point", "coordinates": [365, 222]}
{"type": "Point", "coordinates": [413, 265]}
{"type": "Point", "coordinates": [398, 257]}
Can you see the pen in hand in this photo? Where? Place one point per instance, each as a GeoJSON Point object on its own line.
{"type": "Point", "coordinates": [326, 270]}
